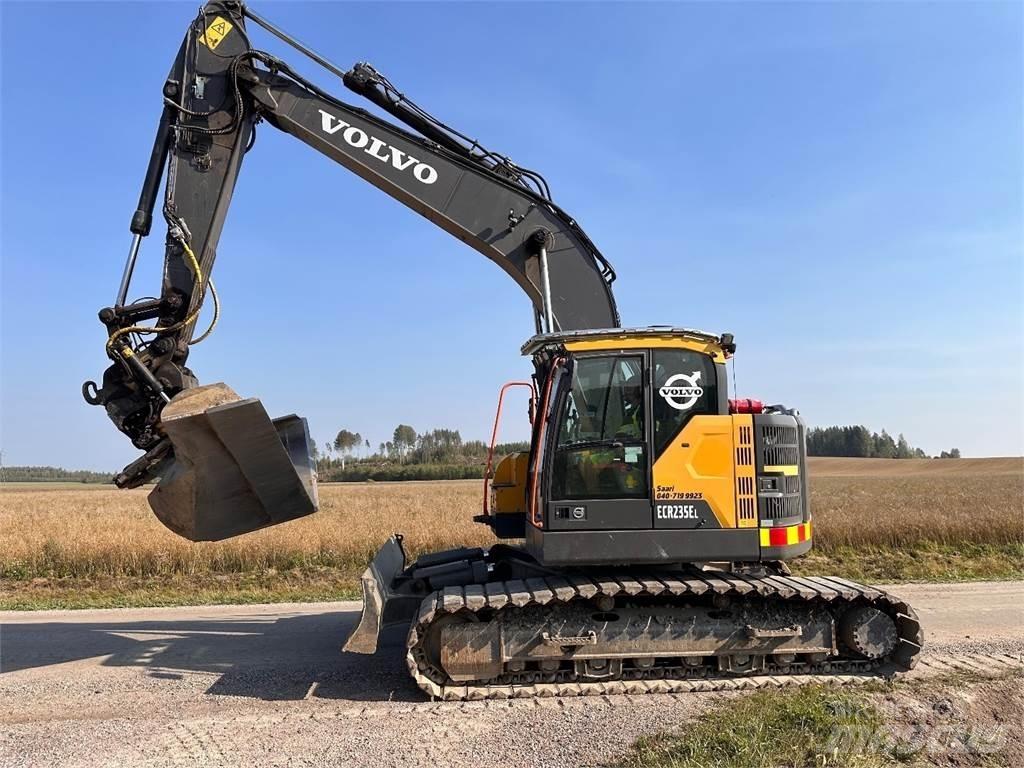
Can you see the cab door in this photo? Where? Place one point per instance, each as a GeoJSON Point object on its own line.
{"type": "Point", "coordinates": [599, 474]}
{"type": "Point", "coordinates": [693, 473]}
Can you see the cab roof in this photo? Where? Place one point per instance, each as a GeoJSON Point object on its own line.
{"type": "Point", "coordinates": [719, 347]}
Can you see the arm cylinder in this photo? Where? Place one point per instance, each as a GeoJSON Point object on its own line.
{"type": "Point", "coordinates": [142, 219]}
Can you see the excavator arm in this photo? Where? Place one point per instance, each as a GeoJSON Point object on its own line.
{"type": "Point", "coordinates": [224, 467]}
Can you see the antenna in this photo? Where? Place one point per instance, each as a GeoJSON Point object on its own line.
{"type": "Point", "coordinates": [735, 389]}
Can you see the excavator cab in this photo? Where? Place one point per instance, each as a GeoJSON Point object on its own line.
{"type": "Point", "coordinates": [640, 456]}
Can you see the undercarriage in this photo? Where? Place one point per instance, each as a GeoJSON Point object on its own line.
{"type": "Point", "coordinates": [630, 630]}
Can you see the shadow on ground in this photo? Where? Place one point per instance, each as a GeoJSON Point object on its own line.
{"type": "Point", "coordinates": [271, 658]}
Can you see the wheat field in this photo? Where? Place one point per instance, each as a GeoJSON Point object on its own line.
{"type": "Point", "coordinates": [106, 532]}
{"type": "Point", "coordinates": [78, 536]}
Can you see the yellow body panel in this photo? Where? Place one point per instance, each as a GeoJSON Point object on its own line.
{"type": "Point", "coordinates": [508, 488]}
{"type": "Point", "coordinates": [629, 341]}
{"type": "Point", "coordinates": [699, 464]}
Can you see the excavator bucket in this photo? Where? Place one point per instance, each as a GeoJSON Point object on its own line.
{"type": "Point", "coordinates": [235, 470]}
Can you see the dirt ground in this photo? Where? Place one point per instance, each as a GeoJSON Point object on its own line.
{"type": "Point", "coordinates": [268, 686]}
{"type": "Point", "coordinates": [958, 721]}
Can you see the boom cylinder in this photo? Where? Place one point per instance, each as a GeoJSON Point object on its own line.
{"type": "Point", "coordinates": [545, 279]}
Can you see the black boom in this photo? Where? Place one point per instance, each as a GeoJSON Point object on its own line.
{"type": "Point", "coordinates": [216, 92]}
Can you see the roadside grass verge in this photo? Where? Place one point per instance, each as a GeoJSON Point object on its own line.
{"type": "Point", "coordinates": [310, 585]}
{"type": "Point", "coordinates": [809, 727]}
{"type": "Point", "coordinates": [958, 719]}
{"type": "Point", "coordinates": [319, 583]}
{"type": "Point", "coordinates": [922, 561]}
{"type": "Point", "coordinates": [91, 547]}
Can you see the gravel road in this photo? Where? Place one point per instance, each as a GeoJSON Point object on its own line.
{"type": "Point", "coordinates": [266, 685]}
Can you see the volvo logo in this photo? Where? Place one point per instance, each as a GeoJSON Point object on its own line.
{"type": "Point", "coordinates": [682, 391]}
{"type": "Point", "coordinates": [357, 138]}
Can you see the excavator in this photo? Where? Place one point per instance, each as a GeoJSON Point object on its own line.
{"type": "Point", "coordinates": [643, 539]}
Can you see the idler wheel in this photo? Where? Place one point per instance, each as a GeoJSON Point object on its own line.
{"type": "Point", "coordinates": [868, 632]}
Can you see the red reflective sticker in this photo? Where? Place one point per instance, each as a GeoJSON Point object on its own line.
{"type": "Point", "coordinates": [777, 537]}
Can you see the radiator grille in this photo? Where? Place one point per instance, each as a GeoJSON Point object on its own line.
{"type": "Point", "coordinates": [780, 445]}
{"type": "Point", "coordinates": [779, 452]}
{"type": "Point", "coordinates": [745, 447]}
{"type": "Point", "coordinates": [780, 507]}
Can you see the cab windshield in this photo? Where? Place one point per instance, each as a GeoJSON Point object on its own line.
{"type": "Point", "coordinates": [600, 451]}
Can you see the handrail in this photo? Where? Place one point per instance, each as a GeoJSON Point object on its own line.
{"type": "Point", "coordinates": [494, 432]}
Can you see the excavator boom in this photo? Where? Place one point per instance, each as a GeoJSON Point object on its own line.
{"type": "Point", "coordinates": [224, 466]}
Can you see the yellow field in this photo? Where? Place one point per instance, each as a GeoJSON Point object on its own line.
{"type": "Point", "coordinates": [90, 535]}
{"type": "Point", "coordinates": [85, 533]}
{"type": "Point", "coordinates": [838, 467]}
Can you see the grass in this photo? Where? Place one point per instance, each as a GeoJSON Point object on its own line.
{"type": "Point", "coordinates": [956, 719]}
{"type": "Point", "coordinates": [97, 548]}
{"type": "Point", "coordinates": [922, 561]}
{"type": "Point", "coordinates": [921, 526]}
{"type": "Point", "coordinates": [810, 727]}
{"type": "Point", "coordinates": [904, 511]}
{"type": "Point", "coordinates": [94, 546]}
{"type": "Point", "coordinates": [295, 586]}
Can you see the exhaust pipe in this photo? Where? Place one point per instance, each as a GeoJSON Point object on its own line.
{"type": "Point", "coordinates": [234, 470]}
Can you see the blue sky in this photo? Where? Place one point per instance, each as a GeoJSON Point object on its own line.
{"type": "Point", "coordinates": [839, 185]}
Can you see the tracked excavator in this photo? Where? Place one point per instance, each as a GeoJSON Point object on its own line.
{"type": "Point", "coordinates": [643, 538]}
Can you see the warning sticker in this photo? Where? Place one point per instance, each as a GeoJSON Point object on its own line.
{"type": "Point", "coordinates": [216, 32]}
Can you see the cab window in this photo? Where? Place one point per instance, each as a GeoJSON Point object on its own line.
{"type": "Point", "coordinates": [600, 452]}
{"type": "Point", "coordinates": [685, 385]}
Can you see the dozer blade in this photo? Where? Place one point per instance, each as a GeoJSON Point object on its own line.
{"type": "Point", "coordinates": [235, 470]}
{"type": "Point", "coordinates": [382, 606]}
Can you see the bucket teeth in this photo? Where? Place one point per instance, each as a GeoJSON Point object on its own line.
{"type": "Point", "coordinates": [235, 470]}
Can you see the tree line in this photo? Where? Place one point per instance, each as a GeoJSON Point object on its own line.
{"type": "Point", "coordinates": [52, 475]}
{"type": "Point", "coordinates": [438, 446]}
{"type": "Point", "coordinates": [446, 447]}
{"type": "Point", "coordinates": [438, 454]}
{"type": "Point", "coordinates": [442, 454]}
{"type": "Point", "coordinates": [860, 442]}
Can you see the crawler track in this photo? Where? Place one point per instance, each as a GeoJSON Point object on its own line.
{"type": "Point", "coordinates": [664, 589]}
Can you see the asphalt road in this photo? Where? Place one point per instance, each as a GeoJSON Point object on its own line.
{"type": "Point", "coordinates": [268, 685]}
